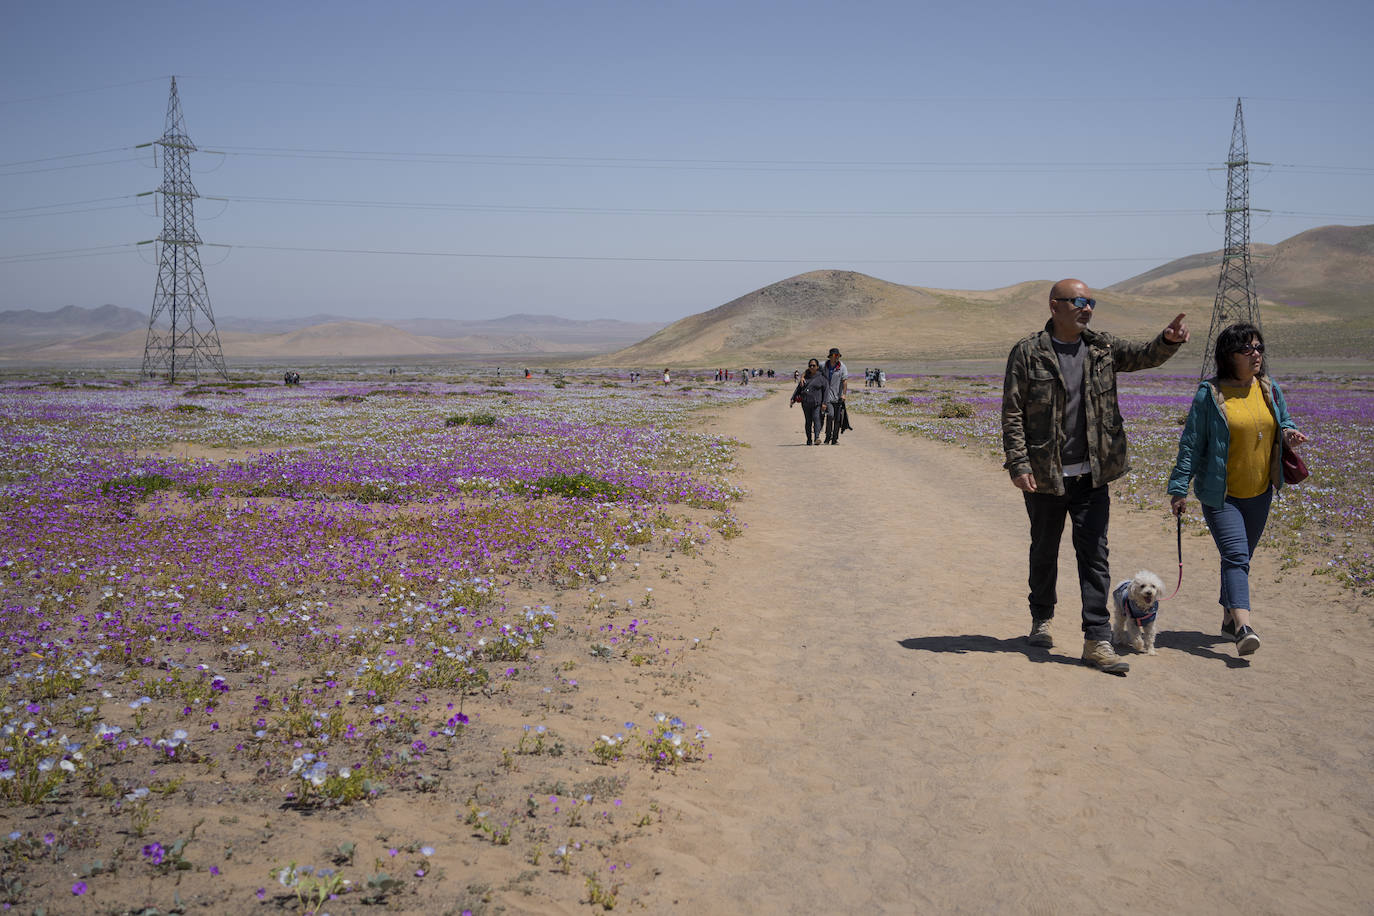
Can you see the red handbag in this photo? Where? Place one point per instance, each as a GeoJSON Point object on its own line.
{"type": "Point", "coordinates": [1294, 468]}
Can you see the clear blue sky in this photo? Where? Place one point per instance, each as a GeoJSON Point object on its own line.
{"type": "Point", "coordinates": [651, 160]}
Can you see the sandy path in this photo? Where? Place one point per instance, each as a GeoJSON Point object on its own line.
{"type": "Point", "coordinates": [885, 741]}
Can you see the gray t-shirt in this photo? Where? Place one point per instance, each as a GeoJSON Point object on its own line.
{"type": "Point", "coordinates": [1074, 454]}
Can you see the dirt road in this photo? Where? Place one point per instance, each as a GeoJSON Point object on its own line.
{"type": "Point", "coordinates": [884, 740]}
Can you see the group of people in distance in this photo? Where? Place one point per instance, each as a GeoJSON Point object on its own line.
{"type": "Point", "coordinates": [821, 393]}
{"type": "Point", "coordinates": [1064, 442]}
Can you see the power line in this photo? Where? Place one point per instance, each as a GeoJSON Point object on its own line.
{"type": "Point", "coordinates": [706, 212]}
{"type": "Point", "coordinates": [769, 165]}
{"type": "Point", "coordinates": [69, 212]}
{"type": "Point", "coordinates": [58, 95]}
{"type": "Point", "coordinates": [536, 159]}
{"type": "Point", "coordinates": [765, 165]}
{"type": "Point", "coordinates": [78, 165]}
{"type": "Point", "coordinates": [65, 253]}
{"type": "Point", "coordinates": [676, 260]}
{"type": "Point", "coordinates": [621, 94]}
{"type": "Point", "coordinates": [98, 152]}
{"type": "Point", "coordinates": [82, 206]}
{"type": "Point", "coordinates": [71, 203]}
{"type": "Point", "coordinates": [1322, 169]}
{"type": "Point", "coordinates": [110, 249]}
{"type": "Point", "coordinates": [829, 99]}
{"type": "Point", "coordinates": [764, 213]}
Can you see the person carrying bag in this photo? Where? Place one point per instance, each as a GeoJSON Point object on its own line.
{"type": "Point", "coordinates": [1232, 451]}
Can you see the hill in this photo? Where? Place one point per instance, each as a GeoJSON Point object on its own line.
{"type": "Point", "coordinates": [1329, 269]}
{"type": "Point", "coordinates": [27, 327]}
{"type": "Point", "coordinates": [868, 319]}
{"type": "Point", "coordinates": [1314, 291]}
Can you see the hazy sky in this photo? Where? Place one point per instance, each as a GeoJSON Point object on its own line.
{"type": "Point", "coordinates": [649, 160]}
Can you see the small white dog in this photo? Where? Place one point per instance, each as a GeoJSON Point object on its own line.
{"type": "Point", "coordinates": [1135, 607]}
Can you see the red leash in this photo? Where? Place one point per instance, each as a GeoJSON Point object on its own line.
{"type": "Point", "coordinates": [1179, 517]}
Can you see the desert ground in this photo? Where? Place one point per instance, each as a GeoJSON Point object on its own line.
{"type": "Point", "coordinates": [881, 737]}
{"type": "Point", "coordinates": [885, 740]}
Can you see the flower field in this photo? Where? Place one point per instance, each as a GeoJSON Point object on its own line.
{"type": "Point", "coordinates": [1325, 524]}
{"type": "Point", "coordinates": [319, 646]}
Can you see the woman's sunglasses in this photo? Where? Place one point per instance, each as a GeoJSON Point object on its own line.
{"type": "Point", "coordinates": [1250, 348]}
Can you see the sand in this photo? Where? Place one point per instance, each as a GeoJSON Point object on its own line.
{"type": "Point", "coordinates": [884, 740]}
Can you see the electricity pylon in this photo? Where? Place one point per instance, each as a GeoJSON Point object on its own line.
{"type": "Point", "coordinates": [181, 329]}
{"type": "Point", "coordinates": [1236, 300]}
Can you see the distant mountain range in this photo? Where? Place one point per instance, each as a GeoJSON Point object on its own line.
{"type": "Point", "coordinates": [75, 334]}
{"type": "Point", "coordinates": [1316, 291]}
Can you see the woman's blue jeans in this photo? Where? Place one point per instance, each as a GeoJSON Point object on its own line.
{"type": "Point", "coordinates": [1236, 526]}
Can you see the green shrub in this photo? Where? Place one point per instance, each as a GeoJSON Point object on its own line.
{"type": "Point", "coordinates": [475, 419]}
{"type": "Point", "coordinates": [953, 409]}
{"type": "Point", "coordinates": [579, 486]}
{"type": "Point", "coordinates": [141, 485]}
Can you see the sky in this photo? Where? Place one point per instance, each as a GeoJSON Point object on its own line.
{"type": "Point", "coordinates": [646, 161]}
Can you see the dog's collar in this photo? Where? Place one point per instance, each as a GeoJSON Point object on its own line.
{"type": "Point", "coordinates": [1141, 616]}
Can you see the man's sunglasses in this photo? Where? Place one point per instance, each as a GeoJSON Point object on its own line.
{"type": "Point", "coordinates": [1078, 302]}
{"type": "Point", "coordinates": [1250, 348]}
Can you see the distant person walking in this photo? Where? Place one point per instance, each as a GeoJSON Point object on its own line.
{"type": "Point", "coordinates": [1231, 450]}
{"type": "Point", "coordinates": [1064, 442]}
{"type": "Point", "coordinates": [810, 393]}
{"type": "Point", "coordinates": [837, 387]}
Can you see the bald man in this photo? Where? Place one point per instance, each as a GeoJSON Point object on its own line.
{"type": "Point", "coordinates": [1064, 442]}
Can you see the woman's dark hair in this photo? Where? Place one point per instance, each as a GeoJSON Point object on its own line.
{"type": "Point", "coordinates": [1230, 342]}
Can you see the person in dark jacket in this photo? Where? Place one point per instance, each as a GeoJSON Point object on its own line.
{"type": "Point", "coordinates": [837, 387]}
{"type": "Point", "coordinates": [1230, 450]}
{"type": "Point", "coordinates": [1064, 442]}
{"type": "Point", "coordinates": [810, 393]}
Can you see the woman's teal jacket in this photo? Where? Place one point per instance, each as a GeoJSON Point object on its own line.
{"type": "Point", "coordinates": [1206, 439]}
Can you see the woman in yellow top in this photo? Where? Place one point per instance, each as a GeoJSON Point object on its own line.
{"type": "Point", "coordinates": [1230, 451]}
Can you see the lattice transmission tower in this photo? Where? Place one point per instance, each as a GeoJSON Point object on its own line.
{"type": "Point", "coordinates": [181, 328]}
{"type": "Point", "coordinates": [1236, 300]}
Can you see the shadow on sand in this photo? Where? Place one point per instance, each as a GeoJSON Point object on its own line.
{"type": "Point", "coordinates": [1199, 644]}
{"type": "Point", "coordinates": [1190, 641]}
{"type": "Point", "coordinates": [973, 642]}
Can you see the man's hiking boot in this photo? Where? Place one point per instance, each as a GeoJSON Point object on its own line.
{"type": "Point", "coordinates": [1040, 633]}
{"type": "Point", "coordinates": [1098, 653]}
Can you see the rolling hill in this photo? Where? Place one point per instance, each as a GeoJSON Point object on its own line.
{"type": "Point", "coordinates": [868, 319]}
{"type": "Point", "coordinates": [1315, 293]}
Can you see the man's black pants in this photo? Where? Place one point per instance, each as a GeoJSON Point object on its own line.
{"type": "Point", "coordinates": [1088, 509]}
{"type": "Point", "coordinates": [832, 422]}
